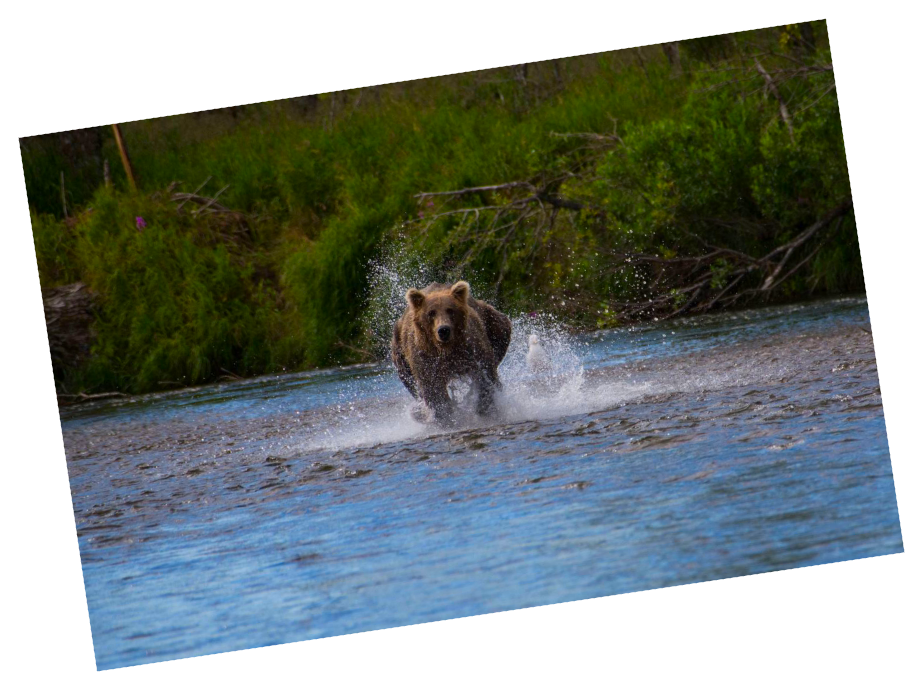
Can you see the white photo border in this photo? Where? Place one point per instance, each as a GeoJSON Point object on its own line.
{"type": "Point", "coordinates": [13, 131]}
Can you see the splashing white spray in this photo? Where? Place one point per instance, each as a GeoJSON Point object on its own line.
{"type": "Point", "coordinates": [390, 276]}
{"type": "Point", "coordinates": [548, 383]}
{"type": "Point", "coordinates": [366, 417]}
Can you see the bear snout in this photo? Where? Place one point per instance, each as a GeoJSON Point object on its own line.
{"type": "Point", "coordinates": [444, 333]}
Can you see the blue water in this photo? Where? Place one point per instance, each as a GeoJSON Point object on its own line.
{"type": "Point", "coordinates": [307, 505]}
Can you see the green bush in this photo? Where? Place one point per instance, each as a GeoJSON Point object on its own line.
{"type": "Point", "coordinates": [181, 300]}
{"type": "Point", "coordinates": [665, 162]}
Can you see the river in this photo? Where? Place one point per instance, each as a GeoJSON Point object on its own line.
{"type": "Point", "coordinates": [306, 505]}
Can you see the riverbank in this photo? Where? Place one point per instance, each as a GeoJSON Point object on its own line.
{"type": "Point", "coordinates": [600, 190]}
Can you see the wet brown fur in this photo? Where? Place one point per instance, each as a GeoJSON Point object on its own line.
{"type": "Point", "coordinates": [478, 338]}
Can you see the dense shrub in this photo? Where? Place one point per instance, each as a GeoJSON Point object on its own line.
{"type": "Point", "coordinates": [182, 299]}
{"type": "Point", "coordinates": [652, 158]}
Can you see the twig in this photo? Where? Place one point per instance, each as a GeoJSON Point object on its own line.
{"type": "Point", "coordinates": [726, 289]}
{"type": "Point", "coordinates": [70, 398]}
{"type": "Point", "coordinates": [842, 209]}
{"type": "Point", "coordinates": [201, 200]}
{"type": "Point", "coordinates": [474, 190]}
{"type": "Point", "coordinates": [795, 269]}
{"type": "Point", "coordinates": [211, 201]}
{"type": "Point", "coordinates": [365, 353]}
{"type": "Point", "coordinates": [816, 100]}
{"type": "Point", "coordinates": [197, 190]}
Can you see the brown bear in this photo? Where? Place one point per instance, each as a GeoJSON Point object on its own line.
{"type": "Point", "coordinates": [446, 334]}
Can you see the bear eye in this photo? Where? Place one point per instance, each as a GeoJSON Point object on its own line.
{"type": "Point", "coordinates": [432, 314]}
{"type": "Point", "coordinates": [450, 311]}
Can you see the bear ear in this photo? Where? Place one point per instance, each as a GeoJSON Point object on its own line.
{"type": "Point", "coordinates": [460, 291]}
{"type": "Point", "coordinates": [415, 298]}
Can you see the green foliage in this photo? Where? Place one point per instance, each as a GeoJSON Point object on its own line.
{"type": "Point", "coordinates": [54, 250]}
{"type": "Point", "coordinates": [179, 302]}
{"type": "Point", "coordinates": [74, 158]}
{"type": "Point", "coordinates": [671, 160]}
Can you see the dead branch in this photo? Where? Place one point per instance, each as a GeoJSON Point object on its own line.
{"type": "Point", "coordinates": [71, 398]}
{"type": "Point", "coordinates": [475, 190]}
{"type": "Point", "coordinates": [539, 196]}
{"type": "Point", "coordinates": [816, 100]}
{"type": "Point", "coordinates": [592, 136]}
{"type": "Point", "coordinates": [197, 190]}
{"type": "Point", "coordinates": [203, 201]}
{"type": "Point", "coordinates": [783, 109]}
{"type": "Point", "coordinates": [691, 276]}
{"type": "Point", "coordinates": [365, 354]}
{"type": "Point", "coordinates": [840, 210]}
{"type": "Point", "coordinates": [211, 202]}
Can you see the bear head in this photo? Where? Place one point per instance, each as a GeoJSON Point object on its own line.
{"type": "Point", "coordinates": [441, 314]}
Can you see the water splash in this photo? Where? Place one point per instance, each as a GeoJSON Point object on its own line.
{"type": "Point", "coordinates": [351, 409]}
{"type": "Point", "coordinates": [390, 414]}
{"type": "Point", "coordinates": [530, 392]}
{"type": "Point", "coordinates": [369, 415]}
{"type": "Point", "coordinates": [398, 269]}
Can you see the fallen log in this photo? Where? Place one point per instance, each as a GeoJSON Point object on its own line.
{"type": "Point", "coordinates": [71, 398]}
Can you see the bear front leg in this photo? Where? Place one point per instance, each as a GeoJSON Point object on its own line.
{"type": "Point", "coordinates": [436, 397]}
{"type": "Point", "coordinates": [488, 381]}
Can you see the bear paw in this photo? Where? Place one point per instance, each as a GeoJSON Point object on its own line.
{"type": "Point", "coordinates": [420, 413]}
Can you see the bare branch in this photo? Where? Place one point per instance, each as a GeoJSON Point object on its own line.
{"type": "Point", "coordinates": [211, 202]}
{"type": "Point", "coordinates": [201, 200]}
{"type": "Point", "coordinates": [475, 190]}
{"type": "Point", "coordinates": [197, 190]}
{"type": "Point", "coordinates": [692, 275]}
{"type": "Point", "coordinates": [783, 109]}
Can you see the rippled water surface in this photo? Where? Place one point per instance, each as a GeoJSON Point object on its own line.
{"type": "Point", "coordinates": [307, 505]}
